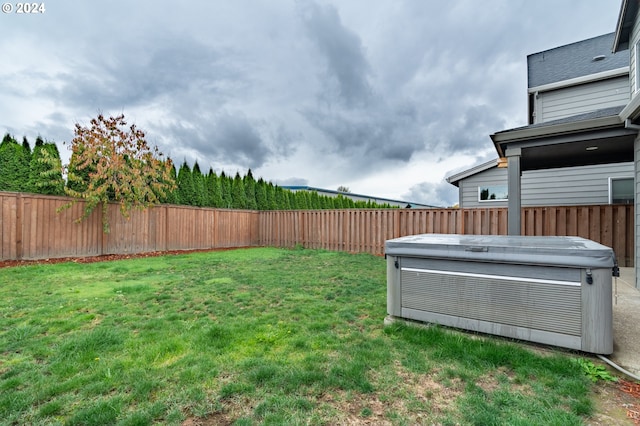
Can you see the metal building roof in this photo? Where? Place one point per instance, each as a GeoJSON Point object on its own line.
{"type": "Point", "coordinates": [407, 204]}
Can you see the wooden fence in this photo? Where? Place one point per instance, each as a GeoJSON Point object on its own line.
{"type": "Point", "coordinates": [32, 228]}
{"type": "Point", "coordinates": [367, 230]}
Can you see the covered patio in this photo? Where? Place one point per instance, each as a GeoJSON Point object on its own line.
{"type": "Point", "coordinates": [598, 137]}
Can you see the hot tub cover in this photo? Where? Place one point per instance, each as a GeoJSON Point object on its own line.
{"type": "Point", "coordinates": [557, 251]}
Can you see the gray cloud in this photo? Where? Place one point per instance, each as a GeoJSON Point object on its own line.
{"type": "Point", "coordinates": [229, 138]}
{"type": "Point", "coordinates": [169, 70]}
{"type": "Point", "coordinates": [369, 136]}
{"type": "Point", "coordinates": [347, 69]}
{"type": "Point", "coordinates": [293, 181]}
{"type": "Point", "coordinates": [440, 194]}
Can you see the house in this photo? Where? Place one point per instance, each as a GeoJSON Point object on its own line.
{"type": "Point", "coordinates": [627, 37]}
{"type": "Point", "coordinates": [360, 197]}
{"type": "Point", "coordinates": [485, 185]}
{"type": "Point", "coordinates": [606, 135]}
{"type": "Point", "coordinates": [564, 84]}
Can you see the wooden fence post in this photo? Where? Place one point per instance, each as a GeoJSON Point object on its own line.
{"type": "Point", "coordinates": [19, 226]}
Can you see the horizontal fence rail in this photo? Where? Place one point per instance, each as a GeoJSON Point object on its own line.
{"type": "Point", "coordinates": [33, 228]}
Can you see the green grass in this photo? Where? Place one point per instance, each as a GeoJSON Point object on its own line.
{"type": "Point", "coordinates": [254, 336]}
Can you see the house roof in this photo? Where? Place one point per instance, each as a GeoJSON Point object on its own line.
{"type": "Point", "coordinates": [575, 60]}
{"type": "Point", "coordinates": [408, 204]}
{"type": "Point", "coordinates": [626, 19]}
{"type": "Point", "coordinates": [456, 178]}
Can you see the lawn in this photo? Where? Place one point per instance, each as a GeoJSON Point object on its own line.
{"type": "Point", "coordinates": [255, 336]}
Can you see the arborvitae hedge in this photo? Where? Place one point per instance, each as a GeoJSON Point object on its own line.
{"type": "Point", "coordinates": [23, 170]}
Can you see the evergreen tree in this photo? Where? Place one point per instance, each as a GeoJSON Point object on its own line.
{"type": "Point", "coordinates": [238, 195]}
{"type": "Point", "coordinates": [79, 177]}
{"type": "Point", "coordinates": [314, 200]}
{"type": "Point", "coordinates": [27, 148]}
{"type": "Point", "coordinates": [292, 197]}
{"type": "Point", "coordinates": [14, 165]}
{"type": "Point", "coordinates": [303, 200]}
{"type": "Point", "coordinates": [172, 195]}
{"type": "Point", "coordinates": [225, 190]}
{"type": "Point", "coordinates": [214, 190]}
{"type": "Point", "coordinates": [261, 195]}
{"type": "Point", "coordinates": [45, 171]}
{"type": "Point", "coordinates": [331, 202]}
{"type": "Point", "coordinates": [282, 203]}
{"type": "Point", "coordinates": [348, 203]}
{"type": "Point", "coordinates": [287, 199]}
{"type": "Point", "coordinates": [272, 203]}
{"type": "Point", "coordinates": [250, 190]}
{"type": "Point", "coordinates": [198, 186]}
{"type": "Point", "coordinates": [186, 194]}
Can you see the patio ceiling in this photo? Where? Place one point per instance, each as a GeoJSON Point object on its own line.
{"type": "Point", "coordinates": [576, 141]}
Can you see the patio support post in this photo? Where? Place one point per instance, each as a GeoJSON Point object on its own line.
{"type": "Point", "coordinates": [514, 201]}
{"type": "Point", "coordinates": [636, 218]}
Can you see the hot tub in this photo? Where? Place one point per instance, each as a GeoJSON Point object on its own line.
{"type": "Point", "coordinates": [550, 290]}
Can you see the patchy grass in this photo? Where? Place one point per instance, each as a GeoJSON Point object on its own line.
{"type": "Point", "coordinates": [254, 336]}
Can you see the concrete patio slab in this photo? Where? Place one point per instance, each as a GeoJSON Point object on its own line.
{"type": "Point", "coordinates": [626, 322]}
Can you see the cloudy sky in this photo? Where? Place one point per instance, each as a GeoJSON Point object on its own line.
{"type": "Point", "coordinates": [385, 97]}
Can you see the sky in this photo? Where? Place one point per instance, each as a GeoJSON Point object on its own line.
{"type": "Point", "coordinates": [384, 97]}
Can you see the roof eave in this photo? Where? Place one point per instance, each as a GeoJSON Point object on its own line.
{"type": "Point", "coordinates": [621, 38]}
{"type": "Point", "coordinates": [456, 178]}
{"type": "Point", "coordinates": [528, 133]}
{"type": "Point", "coordinates": [632, 110]}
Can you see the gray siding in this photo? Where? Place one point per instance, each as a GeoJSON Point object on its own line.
{"type": "Point", "coordinates": [569, 101]}
{"type": "Point", "coordinates": [552, 187]}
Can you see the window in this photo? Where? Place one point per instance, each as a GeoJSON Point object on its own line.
{"type": "Point", "coordinates": [621, 191]}
{"type": "Point", "coordinates": [492, 193]}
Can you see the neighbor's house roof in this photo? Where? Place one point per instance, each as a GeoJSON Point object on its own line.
{"type": "Point", "coordinates": [456, 178]}
{"type": "Point", "coordinates": [408, 204]}
{"type": "Point", "coordinates": [579, 62]}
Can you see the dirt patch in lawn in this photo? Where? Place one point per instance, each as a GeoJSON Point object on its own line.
{"type": "Point", "coordinates": [616, 403]}
{"type": "Point", "coordinates": [105, 257]}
